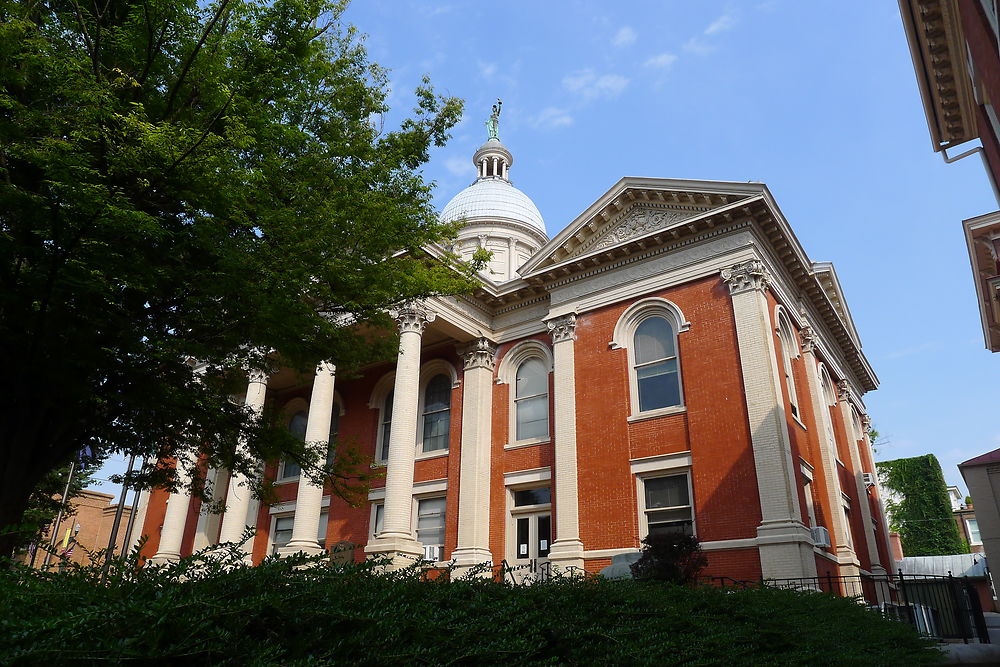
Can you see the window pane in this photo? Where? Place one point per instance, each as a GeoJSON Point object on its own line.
{"type": "Point", "coordinates": [659, 385]}
{"type": "Point", "coordinates": [297, 425]}
{"type": "Point", "coordinates": [522, 538]}
{"type": "Point", "coordinates": [532, 379]}
{"type": "Point", "coordinates": [974, 537]}
{"type": "Point", "coordinates": [383, 454]}
{"type": "Point", "coordinates": [282, 531]}
{"type": "Point", "coordinates": [533, 497]}
{"type": "Point", "coordinates": [654, 340]}
{"type": "Point", "coordinates": [437, 396]}
{"type": "Point", "coordinates": [379, 518]}
{"type": "Point", "coordinates": [544, 535]}
{"type": "Point", "coordinates": [436, 431]}
{"type": "Point", "coordinates": [532, 417]}
{"type": "Point", "coordinates": [324, 518]}
{"type": "Point", "coordinates": [430, 521]}
{"type": "Point", "coordinates": [666, 492]}
{"type": "Point", "coordinates": [289, 469]}
{"type": "Point", "coordinates": [335, 423]}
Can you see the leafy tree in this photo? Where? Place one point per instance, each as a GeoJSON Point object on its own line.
{"type": "Point", "coordinates": [918, 506]}
{"type": "Point", "coordinates": [672, 557]}
{"type": "Point", "coordinates": [195, 180]}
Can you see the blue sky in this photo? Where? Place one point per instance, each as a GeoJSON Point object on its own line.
{"type": "Point", "coordinates": [818, 100]}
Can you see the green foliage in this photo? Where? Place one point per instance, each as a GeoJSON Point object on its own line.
{"type": "Point", "coordinates": [299, 611]}
{"type": "Point", "coordinates": [670, 557]}
{"type": "Point", "coordinates": [918, 506]}
{"type": "Point", "coordinates": [196, 180]}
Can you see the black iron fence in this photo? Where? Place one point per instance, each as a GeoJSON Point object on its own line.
{"type": "Point", "coordinates": [938, 606]}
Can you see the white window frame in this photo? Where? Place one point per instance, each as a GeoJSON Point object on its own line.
{"type": "Point", "coordinates": [292, 408]}
{"type": "Point", "coordinates": [321, 539]}
{"type": "Point", "coordinates": [624, 338]}
{"type": "Point", "coordinates": [539, 481]}
{"type": "Point", "coordinates": [507, 374]}
{"type": "Point", "coordinates": [373, 517]}
{"type": "Point", "coordinates": [385, 385]}
{"type": "Point", "coordinates": [968, 530]}
{"type": "Point", "coordinates": [790, 349]}
{"type": "Point", "coordinates": [415, 514]}
{"type": "Point", "coordinates": [428, 372]}
{"type": "Point", "coordinates": [664, 465]}
{"type": "Point", "coordinates": [807, 488]}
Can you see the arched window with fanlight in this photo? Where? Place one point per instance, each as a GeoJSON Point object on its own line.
{"type": "Point", "coordinates": [655, 357]}
{"type": "Point", "coordinates": [288, 470]}
{"type": "Point", "coordinates": [531, 400]}
{"type": "Point", "coordinates": [789, 350]}
{"type": "Point", "coordinates": [436, 415]}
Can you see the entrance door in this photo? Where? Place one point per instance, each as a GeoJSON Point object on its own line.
{"type": "Point", "coordinates": [529, 536]}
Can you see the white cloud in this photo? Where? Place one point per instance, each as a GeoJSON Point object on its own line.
{"type": "Point", "coordinates": [551, 118]}
{"type": "Point", "coordinates": [487, 70]}
{"type": "Point", "coordinates": [460, 166]}
{"type": "Point", "coordinates": [722, 24]}
{"type": "Point", "coordinates": [590, 85]}
{"type": "Point", "coordinates": [661, 61]}
{"type": "Point", "coordinates": [698, 46]}
{"type": "Point", "coordinates": [624, 37]}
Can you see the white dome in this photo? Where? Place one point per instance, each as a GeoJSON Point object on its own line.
{"type": "Point", "coordinates": [493, 198]}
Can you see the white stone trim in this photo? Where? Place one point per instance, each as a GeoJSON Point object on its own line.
{"type": "Point", "coordinates": [381, 389]}
{"type": "Point", "coordinates": [531, 476]}
{"type": "Point", "coordinates": [673, 470]}
{"type": "Point", "coordinates": [507, 374]}
{"type": "Point", "coordinates": [607, 553]}
{"type": "Point", "coordinates": [723, 545]}
{"type": "Point", "coordinates": [433, 487]}
{"type": "Point", "coordinates": [376, 495]}
{"type": "Point", "coordinates": [660, 463]}
{"type": "Point", "coordinates": [428, 371]}
{"type": "Point", "coordinates": [659, 412]}
{"type": "Point", "coordinates": [289, 506]}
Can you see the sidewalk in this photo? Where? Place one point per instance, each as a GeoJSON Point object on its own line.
{"type": "Point", "coordinates": [977, 654]}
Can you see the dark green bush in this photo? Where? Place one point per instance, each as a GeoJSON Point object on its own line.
{"type": "Point", "coordinates": [283, 612]}
{"type": "Point", "coordinates": [671, 557]}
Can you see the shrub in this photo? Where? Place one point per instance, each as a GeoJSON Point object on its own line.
{"type": "Point", "coordinates": [671, 557]}
{"type": "Point", "coordinates": [298, 611]}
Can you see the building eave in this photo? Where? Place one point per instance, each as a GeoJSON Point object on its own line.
{"type": "Point", "coordinates": [979, 234]}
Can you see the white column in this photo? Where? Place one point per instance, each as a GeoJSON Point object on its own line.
{"type": "Point", "coordinates": [784, 542]}
{"type": "Point", "coordinates": [309, 500]}
{"type": "Point", "coordinates": [567, 548]}
{"type": "Point", "coordinates": [828, 455]}
{"type": "Point", "coordinates": [474, 480]}
{"type": "Point", "coordinates": [234, 522]}
{"type": "Point", "coordinates": [511, 258]}
{"type": "Point", "coordinates": [175, 519]}
{"type": "Point", "coordinates": [397, 539]}
{"type": "Point", "coordinates": [843, 396]}
{"type": "Point", "coordinates": [495, 172]}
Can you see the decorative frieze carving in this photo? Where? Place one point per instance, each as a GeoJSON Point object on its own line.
{"type": "Point", "coordinates": [808, 336]}
{"type": "Point", "coordinates": [562, 328]}
{"type": "Point", "coordinates": [866, 423]}
{"type": "Point", "coordinates": [640, 222]}
{"type": "Point", "coordinates": [746, 276]}
{"type": "Point", "coordinates": [412, 317]}
{"type": "Point", "coordinates": [843, 390]}
{"type": "Point", "coordinates": [480, 353]}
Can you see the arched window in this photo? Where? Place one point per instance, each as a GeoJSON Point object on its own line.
{"type": "Point", "coordinates": [531, 400]}
{"type": "Point", "coordinates": [297, 427]}
{"type": "Point", "coordinates": [656, 376]}
{"type": "Point", "coordinates": [386, 429]}
{"type": "Point", "coordinates": [437, 413]}
{"type": "Point", "coordinates": [648, 329]}
{"type": "Point", "coordinates": [789, 350]}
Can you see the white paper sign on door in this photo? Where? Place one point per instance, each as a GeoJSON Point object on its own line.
{"type": "Point", "coordinates": [522, 550]}
{"type": "Point", "coordinates": [544, 545]}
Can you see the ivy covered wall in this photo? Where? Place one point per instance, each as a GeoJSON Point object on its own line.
{"type": "Point", "coordinates": [918, 506]}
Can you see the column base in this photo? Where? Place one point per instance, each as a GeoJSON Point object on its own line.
{"type": "Point", "coordinates": [474, 559]}
{"type": "Point", "coordinates": [402, 550]}
{"type": "Point", "coordinates": [308, 547]}
{"type": "Point", "coordinates": [162, 558]}
{"type": "Point", "coordinates": [786, 550]}
{"type": "Point", "coordinates": [567, 555]}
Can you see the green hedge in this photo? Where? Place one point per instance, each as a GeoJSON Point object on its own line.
{"type": "Point", "coordinates": [283, 613]}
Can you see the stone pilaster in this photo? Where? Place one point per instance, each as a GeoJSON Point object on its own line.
{"type": "Point", "coordinates": [309, 499]}
{"type": "Point", "coordinates": [784, 542]}
{"type": "Point", "coordinates": [175, 519]}
{"type": "Point", "coordinates": [239, 497]}
{"type": "Point", "coordinates": [567, 548]}
{"type": "Point", "coordinates": [396, 539]}
{"type": "Point", "coordinates": [474, 482]}
{"type": "Point", "coordinates": [828, 456]}
{"type": "Point", "coordinates": [843, 398]}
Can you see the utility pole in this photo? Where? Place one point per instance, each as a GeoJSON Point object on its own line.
{"type": "Point", "coordinates": [59, 516]}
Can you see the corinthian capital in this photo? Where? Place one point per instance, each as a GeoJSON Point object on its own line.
{"type": "Point", "coordinates": [480, 353]}
{"type": "Point", "coordinates": [412, 317]}
{"type": "Point", "coordinates": [843, 390]}
{"type": "Point", "coordinates": [746, 276]}
{"type": "Point", "coordinates": [562, 328]}
{"type": "Point", "coordinates": [808, 336]}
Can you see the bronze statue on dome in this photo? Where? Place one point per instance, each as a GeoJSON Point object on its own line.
{"type": "Point", "coordinates": [493, 124]}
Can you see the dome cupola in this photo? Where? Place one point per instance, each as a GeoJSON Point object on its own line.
{"type": "Point", "coordinates": [496, 215]}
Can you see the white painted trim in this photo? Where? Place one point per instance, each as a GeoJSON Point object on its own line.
{"type": "Point", "coordinates": [428, 372]}
{"type": "Point", "coordinates": [385, 384]}
{"type": "Point", "coordinates": [507, 374]}
{"type": "Point", "coordinates": [530, 476]}
{"type": "Point", "coordinates": [433, 486]}
{"type": "Point", "coordinates": [534, 442]}
{"type": "Point", "coordinates": [640, 493]}
{"type": "Point", "coordinates": [722, 545]}
{"type": "Point", "coordinates": [289, 506]}
{"type": "Point", "coordinates": [659, 412]}
{"type": "Point", "coordinates": [376, 495]}
{"type": "Point", "coordinates": [662, 462]}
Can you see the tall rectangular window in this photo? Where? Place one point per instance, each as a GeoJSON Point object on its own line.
{"type": "Point", "coordinates": [667, 505]}
{"type": "Point", "coordinates": [282, 532]}
{"type": "Point", "coordinates": [974, 537]}
{"type": "Point", "coordinates": [430, 527]}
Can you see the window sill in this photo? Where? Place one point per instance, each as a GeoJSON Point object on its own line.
{"type": "Point", "coordinates": [659, 412]}
{"type": "Point", "coordinates": [285, 480]}
{"type": "Point", "coordinates": [799, 422]}
{"type": "Point", "coordinates": [436, 454]}
{"type": "Point", "coordinates": [527, 443]}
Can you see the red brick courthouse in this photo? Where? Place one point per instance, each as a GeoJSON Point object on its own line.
{"type": "Point", "coordinates": [672, 360]}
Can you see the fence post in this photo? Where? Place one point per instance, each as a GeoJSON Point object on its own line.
{"type": "Point", "coordinates": [956, 601]}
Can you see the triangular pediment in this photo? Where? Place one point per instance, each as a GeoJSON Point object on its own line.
{"type": "Point", "coordinates": [635, 208]}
